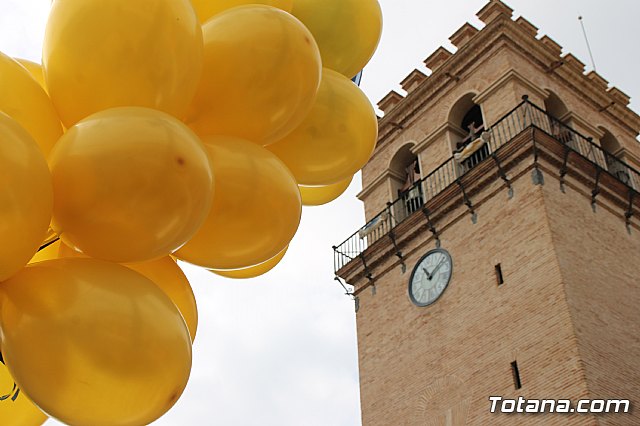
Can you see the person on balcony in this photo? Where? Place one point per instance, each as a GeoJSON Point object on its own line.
{"type": "Point", "coordinates": [472, 136]}
{"type": "Point", "coordinates": [472, 143]}
{"type": "Point", "coordinates": [411, 193]}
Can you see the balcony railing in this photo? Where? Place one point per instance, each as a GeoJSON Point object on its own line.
{"type": "Point", "coordinates": [521, 118]}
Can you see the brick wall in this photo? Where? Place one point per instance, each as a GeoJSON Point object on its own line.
{"type": "Point", "coordinates": [600, 265]}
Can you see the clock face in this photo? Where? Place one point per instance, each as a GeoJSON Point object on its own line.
{"type": "Point", "coordinates": [430, 277]}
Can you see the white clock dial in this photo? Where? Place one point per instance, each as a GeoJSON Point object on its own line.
{"type": "Point", "coordinates": [430, 277]}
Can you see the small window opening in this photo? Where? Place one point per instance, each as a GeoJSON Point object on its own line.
{"type": "Point", "coordinates": [499, 277]}
{"type": "Point", "coordinates": [516, 375]}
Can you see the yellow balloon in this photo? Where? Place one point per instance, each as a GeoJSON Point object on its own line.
{"type": "Point", "coordinates": [35, 70]}
{"type": "Point", "coordinates": [261, 74]}
{"type": "Point", "coordinates": [252, 271]}
{"type": "Point", "coordinates": [6, 381]}
{"type": "Point", "coordinates": [24, 100]}
{"type": "Point", "coordinates": [336, 139]}
{"type": "Point", "coordinates": [207, 8]}
{"type": "Point", "coordinates": [131, 184]}
{"type": "Point", "coordinates": [65, 251]}
{"type": "Point", "coordinates": [256, 208]}
{"type": "Point", "coordinates": [26, 197]}
{"type": "Point", "coordinates": [319, 195]}
{"type": "Point", "coordinates": [16, 409]}
{"type": "Point", "coordinates": [101, 54]}
{"type": "Point", "coordinates": [48, 253]}
{"type": "Point", "coordinates": [167, 275]}
{"type": "Point", "coordinates": [347, 31]}
{"type": "Point", "coordinates": [109, 349]}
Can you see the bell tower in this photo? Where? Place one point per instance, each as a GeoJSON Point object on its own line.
{"type": "Point", "coordinates": [501, 253]}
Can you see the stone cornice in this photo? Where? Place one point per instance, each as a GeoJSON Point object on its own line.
{"type": "Point", "coordinates": [619, 95]}
{"type": "Point", "coordinates": [463, 35]}
{"type": "Point", "coordinates": [493, 10]}
{"type": "Point", "coordinates": [392, 99]}
{"type": "Point", "coordinates": [598, 80]}
{"type": "Point", "coordinates": [527, 26]}
{"type": "Point", "coordinates": [437, 58]}
{"type": "Point", "coordinates": [388, 173]}
{"type": "Point", "coordinates": [553, 47]}
{"type": "Point", "coordinates": [573, 62]}
{"type": "Point", "coordinates": [509, 76]}
{"type": "Point", "coordinates": [413, 80]}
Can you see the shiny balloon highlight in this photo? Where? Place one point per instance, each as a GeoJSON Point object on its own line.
{"type": "Point", "coordinates": [250, 91]}
{"type": "Point", "coordinates": [256, 208]}
{"type": "Point", "coordinates": [336, 139]}
{"type": "Point", "coordinates": [131, 184]}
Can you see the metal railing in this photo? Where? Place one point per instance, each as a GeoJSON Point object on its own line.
{"type": "Point", "coordinates": [522, 117]}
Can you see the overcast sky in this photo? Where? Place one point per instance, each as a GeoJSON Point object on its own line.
{"type": "Point", "coordinates": [281, 350]}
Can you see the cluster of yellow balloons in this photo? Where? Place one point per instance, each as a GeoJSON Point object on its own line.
{"type": "Point", "coordinates": [156, 130]}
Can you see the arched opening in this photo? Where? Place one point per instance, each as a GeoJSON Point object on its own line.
{"type": "Point", "coordinates": [401, 161]}
{"type": "Point", "coordinates": [554, 106]}
{"type": "Point", "coordinates": [474, 147]}
{"type": "Point", "coordinates": [609, 143]}
{"type": "Point", "coordinates": [612, 153]}
{"type": "Point", "coordinates": [557, 110]}
{"type": "Point", "coordinates": [405, 168]}
{"type": "Point", "coordinates": [460, 110]}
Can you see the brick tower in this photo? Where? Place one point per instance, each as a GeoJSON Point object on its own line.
{"type": "Point", "coordinates": [501, 253]}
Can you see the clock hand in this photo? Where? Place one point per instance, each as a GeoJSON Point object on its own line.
{"type": "Point", "coordinates": [437, 267]}
{"type": "Point", "coordinates": [429, 276]}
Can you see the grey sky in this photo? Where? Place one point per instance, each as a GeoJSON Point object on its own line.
{"type": "Point", "coordinates": [281, 349]}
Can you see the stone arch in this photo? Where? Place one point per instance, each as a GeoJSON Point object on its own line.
{"type": "Point", "coordinates": [558, 124]}
{"type": "Point", "coordinates": [402, 157]}
{"type": "Point", "coordinates": [609, 143]}
{"type": "Point", "coordinates": [464, 110]}
{"type": "Point", "coordinates": [555, 106]}
{"type": "Point", "coordinates": [404, 168]}
{"type": "Point", "coordinates": [466, 116]}
{"type": "Point", "coordinates": [613, 154]}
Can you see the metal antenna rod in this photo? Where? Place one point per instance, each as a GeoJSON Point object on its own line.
{"type": "Point", "coordinates": [593, 63]}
